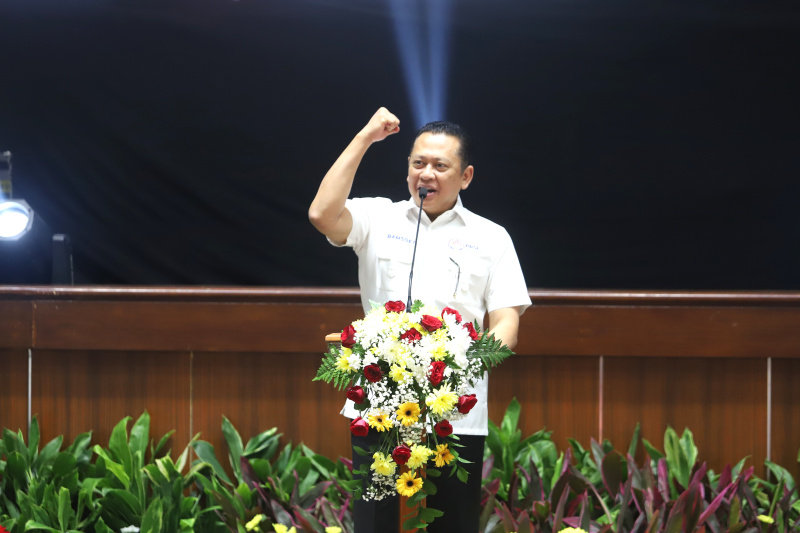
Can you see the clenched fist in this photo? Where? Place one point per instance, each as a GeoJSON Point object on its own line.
{"type": "Point", "coordinates": [381, 125]}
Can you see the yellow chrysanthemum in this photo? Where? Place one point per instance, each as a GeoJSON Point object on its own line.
{"type": "Point", "coordinates": [252, 525]}
{"type": "Point", "coordinates": [342, 363]}
{"type": "Point", "coordinates": [438, 353]}
{"type": "Point", "coordinates": [442, 400]}
{"type": "Point", "coordinates": [333, 529]}
{"type": "Point", "coordinates": [280, 528]}
{"type": "Point", "coordinates": [380, 421]}
{"type": "Point", "coordinates": [443, 455]}
{"type": "Point", "coordinates": [409, 484]}
{"type": "Point", "coordinates": [408, 413]}
{"type": "Point", "coordinates": [572, 530]}
{"type": "Point", "coordinates": [766, 519]}
{"type": "Point", "coordinates": [383, 465]}
{"type": "Point", "coordinates": [419, 328]}
{"type": "Point", "coordinates": [399, 374]}
{"type": "Point", "coordinates": [419, 456]}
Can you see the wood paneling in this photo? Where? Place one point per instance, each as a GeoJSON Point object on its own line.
{"type": "Point", "coordinates": [557, 393]}
{"type": "Point", "coordinates": [78, 391]}
{"type": "Point", "coordinates": [723, 403]}
{"type": "Point", "coordinates": [14, 390]}
{"type": "Point", "coordinates": [209, 326]}
{"type": "Point", "coordinates": [786, 414]}
{"type": "Point", "coordinates": [16, 321]}
{"type": "Point", "coordinates": [257, 391]}
{"type": "Point", "coordinates": [643, 331]}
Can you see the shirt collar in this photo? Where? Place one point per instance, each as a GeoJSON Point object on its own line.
{"type": "Point", "coordinates": [458, 210]}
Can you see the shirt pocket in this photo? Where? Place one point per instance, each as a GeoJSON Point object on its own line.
{"type": "Point", "coordinates": [392, 276]}
{"type": "Point", "coordinates": [471, 282]}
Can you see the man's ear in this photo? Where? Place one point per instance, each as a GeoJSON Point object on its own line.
{"type": "Point", "coordinates": [466, 177]}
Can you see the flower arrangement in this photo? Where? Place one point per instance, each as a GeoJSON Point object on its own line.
{"type": "Point", "coordinates": [409, 373]}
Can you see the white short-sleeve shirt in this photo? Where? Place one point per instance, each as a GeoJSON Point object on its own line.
{"type": "Point", "coordinates": [463, 261]}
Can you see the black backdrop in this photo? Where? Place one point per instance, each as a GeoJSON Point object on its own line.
{"type": "Point", "coordinates": [623, 143]}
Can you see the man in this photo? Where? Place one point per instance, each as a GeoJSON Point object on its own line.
{"type": "Point", "coordinates": [463, 261]}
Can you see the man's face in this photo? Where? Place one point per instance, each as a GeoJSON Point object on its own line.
{"type": "Point", "coordinates": [434, 163]}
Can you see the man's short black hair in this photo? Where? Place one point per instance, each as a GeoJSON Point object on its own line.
{"type": "Point", "coordinates": [454, 130]}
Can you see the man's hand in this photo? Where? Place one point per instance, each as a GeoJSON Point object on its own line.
{"type": "Point", "coordinates": [381, 125]}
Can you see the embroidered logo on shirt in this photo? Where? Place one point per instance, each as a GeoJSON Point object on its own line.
{"type": "Point", "coordinates": [455, 244]}
{"type": "Point", "coordinates": [400, 238]}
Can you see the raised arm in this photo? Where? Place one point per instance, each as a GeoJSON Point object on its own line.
{"type": "Point", "coordinates": [327, 212]}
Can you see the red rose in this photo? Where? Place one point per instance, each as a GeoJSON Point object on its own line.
{"type": "Point", "coordinates": [373, 373]}
{"type": "Point", "coordinates": [431, 323]}
{"type": "Point", "coordinates": [349, 336]}
{"type": "Point", "coordinates": [395, 307]}
{"type": "Point", "coordinates": [443, 428]}
{"type": "Point", "coordinates": [472, 333]}
{"type": "Point", "coordinates": [359, 427]}
{"type": "Point", "coordinates": [401, 454]}
{"type": "Point", "coordinates": [451, 311]}
{"type": "Point", "coordinates": [437, 372]}
{"type": "Point", "coordinates": [356, 394]}
{"type": "Point", "coordinates": [412, 335]}
{"type": "Point", "coordinates": [466, 403]}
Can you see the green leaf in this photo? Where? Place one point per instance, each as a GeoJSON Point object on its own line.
{"type": "Point", "coordinates": [152, 519]}
{"type": "Point", "coordinates": [65, 513]}
{"type": "Point", "coordinates": [33, 438]}
{"type": "Point", "coordinates": [34, 525]}
{"type": "Point", "coordinates": [115, 468]}
{"type": "Point", "coordinates": [140, 436]}
{"type": "Point", "coordinates": [234, 441]}
{"type": "Point", "coordinates": [118, 445]}
{"type": "Point", "coordinates": [205, 452]}
{"type": "Point", "coordinates": [635, 440]}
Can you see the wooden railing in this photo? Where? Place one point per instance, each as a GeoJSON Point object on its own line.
{"type": "Point", "coordinates": [589, 364]}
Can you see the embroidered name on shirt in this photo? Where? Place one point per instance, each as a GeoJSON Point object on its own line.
{"type": "Point", "coordinates": [400, 238]}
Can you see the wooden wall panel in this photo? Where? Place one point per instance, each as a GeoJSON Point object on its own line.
{"type": "Point", "coordinates": [786, 414]}
{"type": "Point", "coordinates": [185, 326]}
{"type": "Point", "coordinates": [258, 391]}
{"type": "Point", "coordinates": [14, 390]}
{"type": "Point", "coordinates": [722, 401]}
{"type": "Point", "coordinates": [16, 324]}
{"type": "Point", "coordinates": [78, 391]}
{"type": "Point", "coordinates": [644, 331]}
{"type": "Point", "coordinates": [557, 393]}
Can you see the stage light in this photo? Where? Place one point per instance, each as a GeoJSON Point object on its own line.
{"type": "Point", "coordinates": [29, 252]}
{"type": "Point", "coordinates": [16, 219]}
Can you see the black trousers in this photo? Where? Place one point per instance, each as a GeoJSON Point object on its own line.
{"type": "Point", "coordinates": [459, 501]}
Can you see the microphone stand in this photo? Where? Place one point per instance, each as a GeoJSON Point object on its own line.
{"type": "Point", "coordinates": [423, 192]}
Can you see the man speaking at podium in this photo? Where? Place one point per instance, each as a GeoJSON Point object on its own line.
{"type": "Point", "coordinates": [463, 261]}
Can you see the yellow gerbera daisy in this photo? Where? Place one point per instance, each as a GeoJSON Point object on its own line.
{"type": "Point", "coordinates": [419, 456]}
{"type": "Point", "coordinates": [443, 455]}
{"type": "Point", "coordinates": [409, 484]}
{"type": "Point", "coordinates": [380, 421]}
{"type": "Point", "coordinates": [442, 400]}
{"type": "Point", "coordinates": [383, 465]}
{"type": "Point", "coordinates": [408, 413]}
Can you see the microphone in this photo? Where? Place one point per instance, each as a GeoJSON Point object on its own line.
{"type": "Point", "coordinates": [423, 192]}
